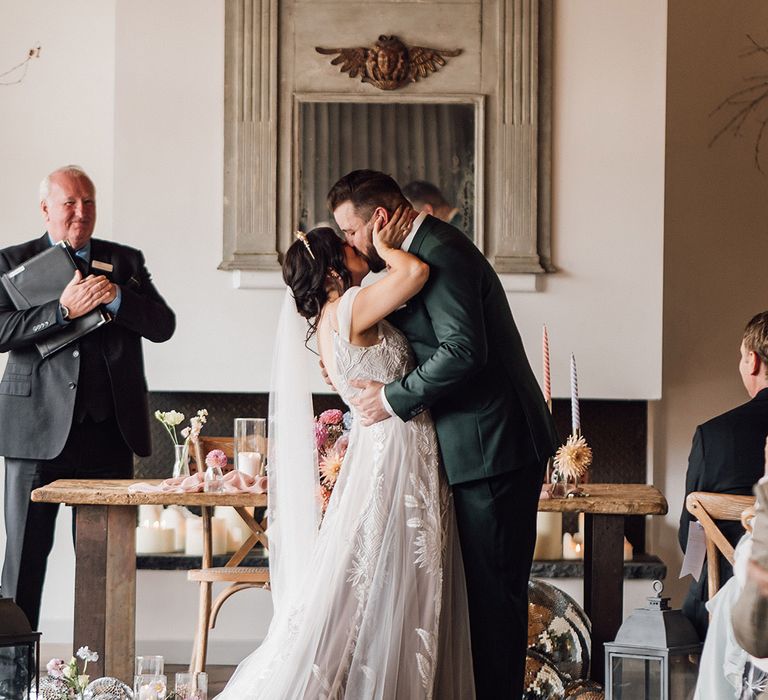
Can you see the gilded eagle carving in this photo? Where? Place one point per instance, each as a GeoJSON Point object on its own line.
{"type": "Point", "coordinates": [389, 64]}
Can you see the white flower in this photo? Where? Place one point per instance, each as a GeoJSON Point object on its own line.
{"type": "Point", "coordinates": [172, 417]}
{"type": "Point", "coordinates": [82, 680]}
{"type": "Point", "coordinates": [87, 655]}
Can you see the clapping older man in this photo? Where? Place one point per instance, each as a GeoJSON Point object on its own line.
{"type": "Point", "coordinates": [82, 411]}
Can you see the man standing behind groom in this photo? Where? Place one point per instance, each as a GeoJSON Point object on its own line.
{"type": "Point", "coordinates": [493, 426]}
{"type": "Point", "coordinates": [80, 413]}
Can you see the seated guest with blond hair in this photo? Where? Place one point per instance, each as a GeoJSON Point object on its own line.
{"type": "Point", "coordinates": [727, 456]}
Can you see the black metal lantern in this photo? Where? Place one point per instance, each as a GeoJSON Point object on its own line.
{"type": "Point", "coordinates": [655, 656]}
{"type": "Point", "coordinates": [19, 653]}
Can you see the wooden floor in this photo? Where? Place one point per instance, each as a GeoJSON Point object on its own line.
{"type": "Point", "coordinates": [217, 676]}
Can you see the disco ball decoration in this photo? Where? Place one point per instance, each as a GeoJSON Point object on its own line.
{"type": "Point", "coordinates": [558, 629]}
{"type": "Point", "coordinates": [107, 689]}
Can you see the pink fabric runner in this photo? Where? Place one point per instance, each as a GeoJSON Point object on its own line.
{"type": "Point", "coordinates": [233, 482]}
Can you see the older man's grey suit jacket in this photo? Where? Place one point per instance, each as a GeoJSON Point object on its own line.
{"type": "Point", "coordinates": [37, 395]}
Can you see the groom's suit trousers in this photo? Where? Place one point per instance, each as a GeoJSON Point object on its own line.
{"type": "Point", "coordinates": [496, 519]}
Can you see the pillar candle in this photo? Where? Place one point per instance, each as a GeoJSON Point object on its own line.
{"type": "Point", "coordinates": [154, 539]}
{"type": "Point", "coordinates": [575, 418]}
{"type": "Point", "coordinates": [193, 545]}
{"type": "Point", "coordinates": [173, 518]}
{"type": "Point", "coordinates": [545, 368]}
{"type": "Point", "coordinates": [150, 513]}
{"type": "Point", "coordinates": [628, 550]}
{"type": "Point", "coordinates": [572, 549]}
{"type": "Point", "coordinates": [549, 536]}
{"type": "Point", "coordinates": [235, 537]}
{"type": "Point", "coordinates": [249, 463]}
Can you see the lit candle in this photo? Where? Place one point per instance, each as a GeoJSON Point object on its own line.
{"type": "Point", "coordinates": [575, 418]}
{"type": "Point", "coordinates": [249, 463]}
{"type": "Point", "coordinates": [571, 548]}
{"type": "Point", "coordinates": [173, 519]}
{"type": "Point", "coordinates": [150, 513]}
{"type": "Point", "coordinates": [154, 539]}
{"type": "Point", "coordinates": [545, 367]}
{"type": "Point", "coordinates": [549, 536]}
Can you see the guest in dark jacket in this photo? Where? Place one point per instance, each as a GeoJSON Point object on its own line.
{"type": "Point", "coordinates": [727, 456]}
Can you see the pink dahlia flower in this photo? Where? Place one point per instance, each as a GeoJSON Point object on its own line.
{"type": "Point", "coordinates": [333, 416]}
{"type": "Point", "coordinates": [216, 458]}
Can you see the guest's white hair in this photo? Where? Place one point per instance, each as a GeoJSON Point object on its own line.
{"type": "Point", "coordinates": [45, 185]}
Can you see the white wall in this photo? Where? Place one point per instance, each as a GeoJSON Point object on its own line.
{"type": "Point", "coordinates": [63, 112]}
{"type": "Point", "coordinates": [715, 239]}
{"type": "Point", "coordinates": [149, 118]}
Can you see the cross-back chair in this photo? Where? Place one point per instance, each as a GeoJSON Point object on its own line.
{"type": "Point", "coordinates": [238, 577]}
{"type": "Point", "coordinates": [707, 508]}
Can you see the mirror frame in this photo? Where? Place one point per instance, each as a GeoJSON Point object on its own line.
{"type": "Point", "coordinates": [514, 80]}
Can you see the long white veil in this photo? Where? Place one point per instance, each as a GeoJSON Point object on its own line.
{"type": "Point", "coordinates": [293, 489]}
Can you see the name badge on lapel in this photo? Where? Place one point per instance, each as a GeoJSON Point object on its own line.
{"type": "Point", "coordinates": [98, 265]}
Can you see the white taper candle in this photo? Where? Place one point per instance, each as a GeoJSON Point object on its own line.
{"type": "Point", "coordinates": [575, 418]}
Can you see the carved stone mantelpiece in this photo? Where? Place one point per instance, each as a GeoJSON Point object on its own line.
{"type": "Point", "coordinates": [505, 65]}
{"type": "Point", "coordinates": [250, 135]}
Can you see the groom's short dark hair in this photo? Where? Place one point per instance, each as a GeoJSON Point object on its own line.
{"type": "Point", "coordinates": [366, 189]}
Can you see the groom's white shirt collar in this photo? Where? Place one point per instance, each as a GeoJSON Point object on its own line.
{"type": "Point", "coordinates": [418, 221]}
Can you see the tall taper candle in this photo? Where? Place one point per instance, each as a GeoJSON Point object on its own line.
{"type": "Point", "coordinates": [545, 366]}
{"type": "Point", "coordinates": [575, 418]}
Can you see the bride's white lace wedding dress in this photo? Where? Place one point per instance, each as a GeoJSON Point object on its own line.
{"type": "Point", "coordinates": [384, 612]}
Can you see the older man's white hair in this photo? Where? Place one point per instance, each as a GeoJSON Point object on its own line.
{"type": "Point", "coordinates": [45, 185]}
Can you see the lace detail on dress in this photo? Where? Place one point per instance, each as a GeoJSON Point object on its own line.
{"type": "Point", "coordinates": [369, 626]}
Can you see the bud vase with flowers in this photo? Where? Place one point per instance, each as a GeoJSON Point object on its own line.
{"type": "Point", "coordinates": [169, 420]}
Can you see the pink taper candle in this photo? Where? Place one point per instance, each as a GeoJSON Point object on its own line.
{"type": "Point", "coordinates": [545, 364]}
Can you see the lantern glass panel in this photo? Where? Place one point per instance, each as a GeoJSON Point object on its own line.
{"type": "Point", "coordinates": [17, 665]}
{"type": "Point", "coordinates": [683, 671]}
{"type": "Point", "coordinates": [636, 678]}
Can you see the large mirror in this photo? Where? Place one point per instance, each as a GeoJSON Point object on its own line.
{"type": "Point", "coordinates": [434, 143]}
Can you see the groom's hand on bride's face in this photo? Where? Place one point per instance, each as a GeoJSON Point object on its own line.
{"type": "Point", "coordinates": [368, 402]}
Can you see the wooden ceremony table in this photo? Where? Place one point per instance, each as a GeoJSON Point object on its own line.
{"type": "Point", "coordinates": [604, 510]}
{"type": "Point", "coordinates": [105, 559]}
{"type": "Point", "coordinates": [105, 550]}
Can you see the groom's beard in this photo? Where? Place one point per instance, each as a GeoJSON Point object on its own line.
{"type": "Point", "coordinates": [374, 260]}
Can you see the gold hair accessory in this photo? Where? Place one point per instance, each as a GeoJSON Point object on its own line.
{"type": "Point", "coordinates": [303, 238]}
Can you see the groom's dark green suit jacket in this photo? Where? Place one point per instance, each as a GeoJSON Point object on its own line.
{"type": "Point", "coordinates": [472, 374]}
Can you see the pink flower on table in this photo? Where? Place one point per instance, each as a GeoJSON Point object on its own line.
{"type": "Point", "coordinates": [216, 458]}
{"type": "Point", "coordinates": [333, 416]}
{"type": "Point", "coordinates": [55, 668]}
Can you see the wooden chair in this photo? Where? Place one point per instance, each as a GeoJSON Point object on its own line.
{"type": "Point", "coordinates": [238, 577]}
{"type": "Point", "coordinates": [707, 508]}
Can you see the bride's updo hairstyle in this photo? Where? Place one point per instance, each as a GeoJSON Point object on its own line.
{"type": "Point", "coordinates": [311, 278]}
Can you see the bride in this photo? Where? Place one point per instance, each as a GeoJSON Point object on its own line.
{"type": "Point", "coordinates": [371, 603]}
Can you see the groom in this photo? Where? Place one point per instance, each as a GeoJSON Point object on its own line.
{"type": "Point", "coordinates": [493, 426]}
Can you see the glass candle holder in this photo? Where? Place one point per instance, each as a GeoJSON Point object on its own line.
{"type": "Point", "coordinates": [191, 686]}
{"type": "Point", "coordinates": [149, 666]}
{"type": "Point", "coordinates": [149, 687]}
{"type": "Point", "coordinates": [250, 445]}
